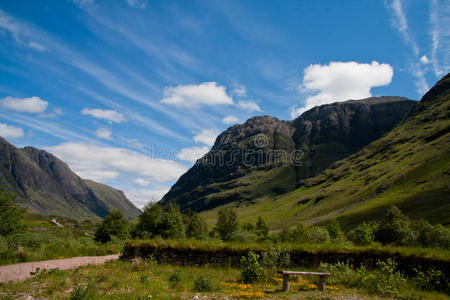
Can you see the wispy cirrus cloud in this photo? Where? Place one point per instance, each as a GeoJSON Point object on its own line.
{"type": "Point", "coordinates": [400, 23]}
{"type": "Point", "coordinates": [440, 36]}
{"type": "Point", "coordinates": [19, 31]}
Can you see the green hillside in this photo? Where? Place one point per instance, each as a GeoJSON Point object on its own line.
{"type": "Point", "coordinates": [408, 167]}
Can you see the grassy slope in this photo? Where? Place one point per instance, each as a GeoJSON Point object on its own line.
{"type": "Point", "coordinates": [408, 167]}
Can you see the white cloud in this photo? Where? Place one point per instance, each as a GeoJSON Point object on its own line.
{"type": "Point", "coordinates": [12, 132]}
{"type": "Point", "coordinates": [192, 154]}
{"type": "Point", "coordinates": [249, 105]}
{"type": "Point", "coordinates": [137, 3]}
{"type": "Point", "coordinates": [400, 22]}
{"type": "Point", "coordinates": [230, 120]}
{"type": "Point", "coordinates": [240, 90]}
{"type": "Point", "coordinates": [207, 136]}
{"type": "Point", "coordinates": [141, 182]}
{"type": "Point", "coordinates": [29, 105]}
{"type": "Point", "coordinates": [21, 34]}
{"type": "Point", "coordinates": [207, 93]}
{"type": "Point", "coordinates": [424, 59]}
{"type": "Point", "coordinates": [99, 163]}
{"type": "Point", "coordinates": [143, 196]}
{"type": "Point", "coordinates": [105, 114]}
{"type": "Point", "coordinates": [104, 133]}
{"type": "Point", "coordinates": [340, 81]}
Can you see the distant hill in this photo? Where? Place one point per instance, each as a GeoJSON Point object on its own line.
{"type": "Point", "coordinates": [46, 185]}
{"type": "Point", "coordinates": [252, 165]}
{"type": "Point", "coordinates": [408, 167]}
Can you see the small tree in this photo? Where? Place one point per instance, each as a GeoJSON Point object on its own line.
{"type": "Point", "coordinates": [171, 225]}
{"type": "Point", "coordinates": [395, 228]}
{"type": "Point", "coordinates": [226, 223]}
{"type": "Point", "coordinates": [363, 234]}
{"type": "Point", "coordinates": [113, 225]}
{"type": "Point", "coordinates": [11, 215]}
{"type": "Point", "coordinates": [262, 228]}
{"type": "Point", "coordinates": [250, 268]}
{"type": "Point", "coordinates": [335, 231]}
{"type": "Point", "coordinates": [195, 226]}
{"type": "Point", "coordinates": [149, 221]}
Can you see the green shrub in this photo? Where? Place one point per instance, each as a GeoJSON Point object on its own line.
{"type": "Point", "coordinates": [262, 229]}
{"type": "Point", "coordinates": [432, 279]}
{"type": "Point", "coordinates": [203, 284]}
{"type": "Point", "coordinates": [342, 274]}
{"type": "Point", "coordinates": [431, 236]}
{"type": "Point", "coordinates": [386, 280]}
{"type": "Point", "coordinates": [319, 235]}
{"type": "Point", "coordinates": [175, 278]}
{"type": "Point", "coordinates": [195, 226]}
{"type": "Point", "coordinates": [80, 292]}
{"type": "Point", "coordinates": [155, 221]}
{"type": "Point", "coordinates": [335, 231]}
{"type": "Point", "coordinates": [250, 268]}
{"type": "Point", "coordinates": [11, 215]}
{"type": "Point", "coordinates": [363, 234]}
{"type": "Point", "coordinates": [395, 228]}
{"type": "Point", "coordinates": [114, 224]}
{"type": "Point", "coordinates": [243, 236]}
{"type": "Point", "coordinates": [271, 261]}
{"type": "Point", "coordinates": [227, 223]}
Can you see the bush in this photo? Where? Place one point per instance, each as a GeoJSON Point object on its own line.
{"type": "Point", "coordinates": [428, 235]}
{"type": "Point", "coordinates": [11, 215]}
{"type": "Point", "coordinates": [80, 292]}
{"type": "Point", "coordinates": [171, 225]}
{"type": "Point", "coordinates": [203, 284]}
{"type": "Point", "coordinates": [335, 231]}
{"type": "Point", "coordinates": [319, 235]}
{"type": "Point", "coordinates": [395, 228]}
{"type": "Point", "coordinates": [195, 226]}
{"type": "Point", "coordinates": [155, 221]}
{"type": "Point", "coordinates": [431, 280]}
{"type": "Point", "coordinates": [342, 274]}
{"type": "Point", "coordinates": [273, 260]}
{"type": "Point", "coordinates": [149, 221]}
{"type": "Point", "coordinates": [113, 225]}
{"type": "Point", "coordinates": [363, 234]}
{"type": "Point", "coordinates": [250, 268]}
{"type": "Point", "coordinates": [175, 278]}
{"type": "Point", "coordinates": [243, 236]}
{"type": "Point", "coordinates": [386, 280]}
{"type": "Point", "coordinates": [262, 229]}
{"type": "Point", "coordinates": [227, 223]}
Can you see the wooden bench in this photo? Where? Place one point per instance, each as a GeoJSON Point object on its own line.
{"type": "Point", "coordinates": [286, 274]}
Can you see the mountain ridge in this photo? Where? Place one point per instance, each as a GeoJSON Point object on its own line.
{"type": "Point", "coordinates": [321, 136]}
{"type": "Point", "coordinates": [46, 185]}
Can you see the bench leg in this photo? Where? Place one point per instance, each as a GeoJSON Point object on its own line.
{"type": "Point", "coordinates": [285, 282]}
{"type": "Point", "coordinates": [322, 285]}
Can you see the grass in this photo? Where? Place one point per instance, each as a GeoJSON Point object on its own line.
{"type": "Point", "coordinates": [146, 280]}
{"type": "Point", "coordinates": [43, 240]}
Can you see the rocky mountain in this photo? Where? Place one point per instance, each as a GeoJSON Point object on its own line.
{"type": "Point", "coordinates": [408, 167]}
{"type": "Point", "coordinates": [46, 185]}
{"type": "Point", "coordinates": [266, 157]}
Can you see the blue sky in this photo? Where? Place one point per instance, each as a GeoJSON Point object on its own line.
{"type": "Point", "coordinates": [130, 92]}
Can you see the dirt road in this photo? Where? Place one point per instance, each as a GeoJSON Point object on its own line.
{"type": "Point", "coordinates": [22, 271]}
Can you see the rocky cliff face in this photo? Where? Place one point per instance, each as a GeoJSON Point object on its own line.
{"type": "Point", "coordinates": [46, 185]}
{"type": "Point", "coordinates": [265, 157]}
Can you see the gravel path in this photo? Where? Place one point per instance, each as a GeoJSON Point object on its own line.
{"type": "Point", "coordinates": [22, 271]}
